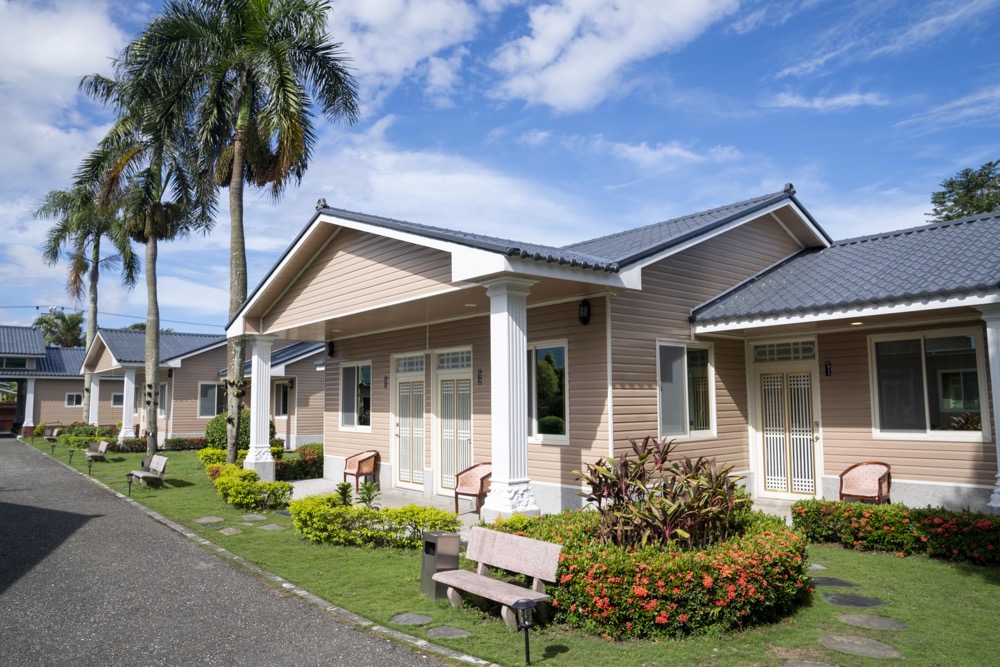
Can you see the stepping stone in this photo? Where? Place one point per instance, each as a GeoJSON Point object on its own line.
{"type": "Point", "coordinates": [868, 648]}
{"type": "Point", "coordinates": [805, 663]}
{"type": "Point", "coordinates": [833, 581]}
{"type": "Point", "coordinates": [230, 531]}
{"type": "Point", "coordinates": [410, 619]}
{"type": "Point", "coordinates": [284, 513]}
{"type": "Point", "coordinates": [871, 622]}
{"type": "Point", "coordinates": [272, 526]}
{"type": "Point", "coordinates": [254, 517]}
{"type": "Point", "coordinates": [816, 566]}
{"type": "Point", "coordinates": [446, 633]}
{"type": "Point", "coordinates": [847, 600]}
{"type": "Point", "coordinates": [210, 519]}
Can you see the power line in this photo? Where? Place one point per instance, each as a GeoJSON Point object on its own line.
{"type": "Point", "coordinates": [104, 312]}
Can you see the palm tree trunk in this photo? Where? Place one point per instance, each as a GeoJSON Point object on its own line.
{"type": "Point", "coordinates": [152, 346]}
{"type": "Point", "coordinates": [88, 377]}
{"type": "Point", "coordinates": [236, 348]}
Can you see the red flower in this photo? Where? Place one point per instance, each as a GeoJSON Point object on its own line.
{"type": "Point", "coordinates": [707, 581]}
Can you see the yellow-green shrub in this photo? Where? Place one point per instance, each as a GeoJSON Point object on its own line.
{"type": "Point", "coordinates": [243, 489]}
{"type": "Point", "coordinates": [325, 519]}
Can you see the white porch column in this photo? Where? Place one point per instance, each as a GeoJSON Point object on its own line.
{"type": "Point", "coordinates": [510, 488]}
{"type": "Point", "coordinates": [128, 406]}
{"type": "Point", "coordinates": [991, 314]}
{"type": "Point", "coordinates": [95, 399]}
{"type": "Point", "coordinates": [259, 457]}
{"type": "Point", "coordinates": [29, 405]}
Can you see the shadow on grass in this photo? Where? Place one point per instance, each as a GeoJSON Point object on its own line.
{"type": "Point", "coordinates": [177, 483]}
{"type": "Point", "coordinates": [989, 574]}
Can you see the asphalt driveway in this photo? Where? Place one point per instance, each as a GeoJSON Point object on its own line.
{"type": "Point", "coordinates": [88, 579]}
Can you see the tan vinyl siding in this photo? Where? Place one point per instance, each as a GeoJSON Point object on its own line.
{"type": "Point", "coordinates": [847, 424]}
{"type": "Point", "coordinates": [588, 420]}
{"type": "Point", "coordinates": [106, 414]}
{"type": "Point", "coordinates": [671, 288]}
{"type": "Point", "coordinates": [105, 361]}
{"type": "Point", "coordinates": [359, 271]}
{"type": "Point", "coordinates": [204, 367]}
{"type": "Point", "coordinates": [587, 386]}
{"type": "Point", "coordinates": [308, 396]}
{"type": "Point", "coordinates": [50, 401]}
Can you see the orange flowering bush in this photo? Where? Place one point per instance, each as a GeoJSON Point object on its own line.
{"type": "Point", "coordinates": [960, 536]}
{"type": "Point", "coordinates": [660, 591]}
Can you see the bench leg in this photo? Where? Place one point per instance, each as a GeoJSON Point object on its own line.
{"type": "Point", "coordinates": [509, 617]}
{"type": "Point", "coordinates": [455, 598]}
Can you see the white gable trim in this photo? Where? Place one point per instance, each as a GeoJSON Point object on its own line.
{"type": "Point", "coordinates": [762, 213]}
{"type": "Point", "coordinates": [852, 312]}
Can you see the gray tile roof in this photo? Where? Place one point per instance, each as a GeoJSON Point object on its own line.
{"type": "Point", "coordinates": [129, 345]}
{"type": "Point", "coordinates": [507, 247]}
{"type": "Point", "coordinates": [57, 362]}
{"type": "Point", "coordinates": [21, 341]}
{"type": "Point", "coordinates": [952, 259]}
{"type": "Point", "coordinates": [632, 245]}
{"type": "Point", "coordinates": [607, 253]}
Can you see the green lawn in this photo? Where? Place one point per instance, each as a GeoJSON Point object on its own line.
{"type": "Point", "coordinates": [951, 610]}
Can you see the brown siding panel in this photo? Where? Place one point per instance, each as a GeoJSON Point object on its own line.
{"type": "Point", "coordinates": [357, 271]}
{"type": "Point", "coordinates": [848, 431]}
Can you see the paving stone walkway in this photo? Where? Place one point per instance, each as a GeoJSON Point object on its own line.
{"type": "Point", "coordinates": [852, 645]}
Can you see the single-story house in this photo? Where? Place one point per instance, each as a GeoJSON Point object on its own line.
{"type": "Point", "coordinates": [744, 332]}
{"type": "Point", "coordinates": [189, 388]}
{"type": "Point", "coordinates": [50, 383]}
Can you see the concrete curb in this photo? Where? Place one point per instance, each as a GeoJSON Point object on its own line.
{"type": "Point", "coordinates": [340, 613]}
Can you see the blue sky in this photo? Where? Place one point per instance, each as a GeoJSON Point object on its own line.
{"type": "Point", "coordinates": [548, 122]}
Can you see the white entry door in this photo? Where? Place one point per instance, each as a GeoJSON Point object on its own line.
{"type": "Point", "coordinates": [788, 430]}
{"type": "Point", "coordinates": [410, 431]}
{"type": "Point", "coordinates": [455, 419]}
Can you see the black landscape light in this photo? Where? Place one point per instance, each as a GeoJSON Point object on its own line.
{"type": "Point", "coordinates": [128, 478]}
{"type": "Point", "coordinates": [524, 609]}
{"type": "Point", "coordinates": [90, 464]}
{"type": "Point", "coordinates": [71, 452]}
{"type": "Point", "coordinates": [53, 448]}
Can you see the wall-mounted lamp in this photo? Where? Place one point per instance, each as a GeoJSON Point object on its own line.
{"type": "Point", "coordinates": [583, 312]}
{"type": "Point", "coordinates": [828, 369]}
{"type": "Point", "coordinates": [291, 384]}
{"type": "Point", "coordinates": [170, 372]}
{"type": "Point", "coordinates": [329, 349]}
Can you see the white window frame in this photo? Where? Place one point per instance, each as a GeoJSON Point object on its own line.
{"type": "Point", "coordinates": [118, 400]}
{"type": "Point", "coordinates": [340, 399]}
{"type": "Point", "coordinates": [275, 402]}
{"type": "Point", "coordinates": [161, 400]}
{"type": "Point", "coordinates": [927, 434]}
{"type": "Point", "coordinates": [76, 402]}
{"type": "Point", "coordinates": [534, 436]}
{"type": "Point", "coordinates": [202, 415]}
{"type": "Point", "coordinates": [688, 435]}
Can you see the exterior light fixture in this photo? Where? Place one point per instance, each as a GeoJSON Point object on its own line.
{"type": "Point", "coordinates": [90, 464]}
{"type": "Point", "coordinates": [128, 478]}
{"type": "Point", "coordinates": [71, 452]}
{"type": "Point", "coordinates": [291, 384]}
{"type": "Point", "coordinates": [524, 610]}
{"type": "Point", "coordinates": [583, 312]}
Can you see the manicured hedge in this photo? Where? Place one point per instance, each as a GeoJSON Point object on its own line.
{"type": "Point", "coordinates": [961, 536]}
{"type": "Point", "coordinates": [656, 592]}
{"type": "Point", "coordinates": [307, 463]}
{"type": "Point", "coordinates": [184, 444]}
{"type": "Point", "coordinates": [324, 519]}
{"type": "Point", "coordinates": [214, 456]}
{"type": "Point", "coordinates": [243, 489]}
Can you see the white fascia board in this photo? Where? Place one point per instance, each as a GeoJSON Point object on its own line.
{"type": "Point", "coordinates": [277, 371]}
{"type": "Point", "coordinates": [237, 329]}
{"type": "Point", "coordinates": [849, 313]}
{"type": "Point", "coordinates": [764, 212]}
{"type": "Point", "coordinates": [470, 265]}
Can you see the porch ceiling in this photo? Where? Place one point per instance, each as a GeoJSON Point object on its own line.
{"type": "Point", "coordinates": [466, 301]}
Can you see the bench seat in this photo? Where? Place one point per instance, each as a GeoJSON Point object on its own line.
{"type": "Point", "coordinates": [488, 587]}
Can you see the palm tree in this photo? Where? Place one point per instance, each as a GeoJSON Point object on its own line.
{"type": "Point", "coordinates": [251, 73]}
{"type": "Point", "coordinates": [145, 168]}
{"type": "Point", "coordinates": [80, 227]}
{"type": "Point", "coordinates": [61, 329]}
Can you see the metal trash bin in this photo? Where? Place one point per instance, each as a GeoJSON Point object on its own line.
{"type": "Point", "coordinates": [440, 554]}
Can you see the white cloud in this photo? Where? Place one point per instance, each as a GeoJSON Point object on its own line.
{"type": "Point", "coordinates": [824, 104]}
{"type": "Point", "coordinates": [671, 154]}
{"type": "Point", "coordinates": [980, 106]}
{"type": "Point", "coordinates": [391, 40]}
{"type": "Point", "coordinates": [534, 137]}
{"type": "Point", "coordinates": [944, 18]}
{"type": "Point", "coordinates": [578, 50]}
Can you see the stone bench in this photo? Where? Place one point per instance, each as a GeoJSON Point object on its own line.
{"type": "Point", "coordinates": [98, 452]}
{"type": "Point", "coordinates": [489, 548]}
{"type": "Point", "coordinates": [153, 473]}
